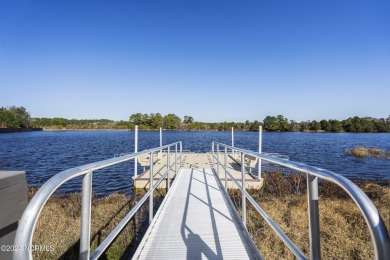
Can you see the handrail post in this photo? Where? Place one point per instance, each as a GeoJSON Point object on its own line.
{"type": "Point", "coordinates": [151, 187]}
{"type": "Point", "coordinates": [260, 149]}
{"type": "Point", "coordinates": [218, 159]}
{"type": "Point", "coordinates": [135, 150]}
{"type": "Point", "coordinates": [160, 140]}
{"type": "Point", "coordinates": [169, 167]}
{"type": "Point", "coordinates": [85, 232]}
{"type": "Point", "coordinates": [233, 136]}
{"type": "Point", "coordinates": [243, 187]}
{"type": "Point", "coordinates": [175, 159]}
{"type": "Point", "coordinates": [232, 141]}
{"type": "Point", "coordinates": [181, 150]}
{"type": "Point", "coordinates": [212, 149]}
{"type": "Point", "coordinates": [225, 168]}
{"type": "Point", "coordinates": [314, 225]}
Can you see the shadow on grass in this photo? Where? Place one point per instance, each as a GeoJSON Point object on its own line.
{"type": "Point", "coordinates": [142, 227]}
{"type": "Point", "coordinates": [140, 222]}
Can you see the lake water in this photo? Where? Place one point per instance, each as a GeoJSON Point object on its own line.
{"type": "Point", "coordinates": [44, 154]}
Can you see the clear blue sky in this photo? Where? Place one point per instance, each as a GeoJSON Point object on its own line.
{"type": "Point", "coordinates": [213, 60]}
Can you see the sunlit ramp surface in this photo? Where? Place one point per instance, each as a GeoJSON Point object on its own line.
{"type": "Point", "coordinates": [196, 221]}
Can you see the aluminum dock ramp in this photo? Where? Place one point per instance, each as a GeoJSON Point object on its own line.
{"type": "Point", "coordinates": [196, 221]}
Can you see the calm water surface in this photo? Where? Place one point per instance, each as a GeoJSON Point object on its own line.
{"type": "Point", "coordinates": [43, 154]}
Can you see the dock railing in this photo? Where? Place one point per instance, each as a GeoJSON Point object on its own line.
{"type": "Point", "coordinates": [27, 223]}
{"type": "Point", "coordinates": [379, 234]}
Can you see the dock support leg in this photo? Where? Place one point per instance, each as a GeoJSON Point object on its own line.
{"type": "Point", "coordinates": [181, 153]}
{"type": "Point", "coordinates": [160, 140]}
{"type": "Point", "coordinates": [225, 168]}
{"type": "Point", "coordinates": [135, 150]}
{"type": "Point", "coordinates": [212, 150]}
{"type": "Point", "coordinates": [85, 234]}
{"type": "Point", "coordinates": [218, 159]}
{"type": "Point", "coordinates": [243, 187]}
{"type": "Point", "coordinates": [233, 140]}
{"type": "Point", "coordinates": [169, 168]}
{"type": "Point", "coordinates": [175, 159]}
{"type": "Point", "coordinates": [151, 187]}
{"type": "Point", "coordinates": [260, 149]}
{"type": "Point", "coordinates": [314, 224]}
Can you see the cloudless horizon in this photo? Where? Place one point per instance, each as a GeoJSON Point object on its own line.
{"type": "Point", "coordinates": [212, 60]}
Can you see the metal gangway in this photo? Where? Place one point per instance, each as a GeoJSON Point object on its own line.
{"type": "Point", "coordinates": [197, 219]}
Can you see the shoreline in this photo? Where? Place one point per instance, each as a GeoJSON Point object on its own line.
{"type": "Point", "coordinates": [108, 129]}
{"type": "Point", "coordinates": [19, 130]}
{"type": "Point", "coordinates": [188, 130]}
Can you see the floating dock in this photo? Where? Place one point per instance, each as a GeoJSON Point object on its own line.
{"type": "Point", "coordinates": [196, 161]}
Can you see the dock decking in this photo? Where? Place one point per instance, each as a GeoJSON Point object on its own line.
{"type": "Point", "coordinates": [196, 221]}
{"type": "Point", "coordinates": [196, 161]}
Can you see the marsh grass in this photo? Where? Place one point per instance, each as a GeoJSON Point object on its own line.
{"type": "Point", "coordinates": [344, 233]}
{"type": "Point", "coordinates": [59, 224]}
{"type": "Point", "coordinates": [368, 152]}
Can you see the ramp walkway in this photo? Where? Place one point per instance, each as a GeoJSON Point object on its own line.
{"type": "Point", "coordinates": [196, 221]}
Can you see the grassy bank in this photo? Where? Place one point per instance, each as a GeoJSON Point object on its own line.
{"type": "Point", "coordinates": [343, 231]}
{"type": "Point", "coordinates": [344, 234]}
{"type": "Point", "coordinates": [59, 225]}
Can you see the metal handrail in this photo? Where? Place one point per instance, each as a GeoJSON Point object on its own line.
{"type": "Point", "coordinates": [379, 234]}
{"type": "Point", "coordinates": [27, 223]}
{"type": "Point", "coordinates": [122, 154]}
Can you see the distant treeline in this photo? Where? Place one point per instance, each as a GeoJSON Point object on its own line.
{"type": "Point", "coordinates": [14, 117]}
{"type": "Point", "coordinates": [270, 123]}
{"type": "Point", "coordinates": [352, 124]}
{"type": "Point", "coordinates": [18, 117]}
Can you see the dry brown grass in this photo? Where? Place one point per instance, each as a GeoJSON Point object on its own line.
{"type": "Point", "coordinates": [358, 152]}
{"type": "Point", "coordinates": [344, 234]}
{"type": "Point", "coordinates": [375, 151]}
{"type": "Point", "coordinates": [369, 152]}
{"type": "Point", "coordinates": [59, 225]}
